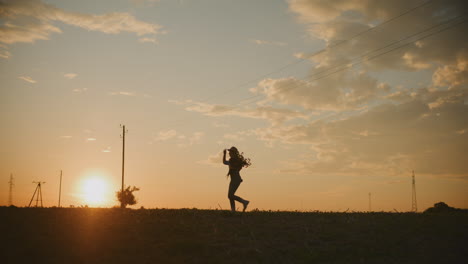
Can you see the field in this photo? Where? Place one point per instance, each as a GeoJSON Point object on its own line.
{"type": "Point", "coordinates": [85, 235]}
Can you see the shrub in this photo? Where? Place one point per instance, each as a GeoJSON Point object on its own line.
{"type": "Point", "coordinates": [126, 196]}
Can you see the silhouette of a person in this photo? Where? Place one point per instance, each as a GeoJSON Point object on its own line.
{"type": "Point", "coordinates": [235, 163]}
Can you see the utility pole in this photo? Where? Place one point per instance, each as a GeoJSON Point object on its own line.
{"type": "Point", "coordinates": [39, 194]}
{"type": "Point", "coordinates": [123, 162]}
{"type": "Point", "coordinates": [414, 204]}
{"type": "Point", "coordinates": [370, 202]}
{"type": "Point", "coordinates": [60, 188]}
{"type": "Point", "coordinates": [10, 195]}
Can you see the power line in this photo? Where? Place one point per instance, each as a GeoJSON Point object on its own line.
{"type": "Point", "coordinates": [326, 49]}
{"type": "Point", "coordinates": [363, 57]}
{"type": "Point", "coordinates": [383, 23]}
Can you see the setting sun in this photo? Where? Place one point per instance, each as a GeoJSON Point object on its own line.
{"type": "Point", "coordinates": [95, 191]}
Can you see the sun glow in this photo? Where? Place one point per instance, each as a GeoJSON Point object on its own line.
{"type": "Point", "coordinates": [95, 191]}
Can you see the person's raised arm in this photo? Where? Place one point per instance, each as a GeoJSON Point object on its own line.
{"type": "Point", "coordinates": [224, 158]}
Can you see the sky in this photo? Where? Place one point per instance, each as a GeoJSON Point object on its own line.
{"type": "Point", "coordinates": [335, 102]}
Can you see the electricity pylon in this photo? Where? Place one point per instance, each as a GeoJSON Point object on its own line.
{"type": "Point", "coordinates": [414, 203]}
{"type": "Point", "coordinates": [10, 194]}
{"type": "Point", "coordinates": [37, 193]}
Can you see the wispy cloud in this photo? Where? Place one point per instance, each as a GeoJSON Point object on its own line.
{"type": "Point", "coordinates": [265, 42]}
{"type": "Point", "coordinates": [238, 136]}
{"type": "Point", "coordinates": [196, 138]}
{"type": "Point", "coordinates": [123, 93]}
{"type": "Point", "coordinates": [70, 75]}
{"type": "Point", "coordinates": [366, 123]}
{"type": "Point", "coordinates": [107, 150]}
{"type": "Point", "coordinates": [148, 40]}
{"type": "Point", "coordinates": [165, 135]}
{"type": "Point", "coordinates": [273, 114]}
{"type": "Point", "coordinates": [31, 20]}
{"type": "Point", "coordinates": [213, 160]}
{"type": "Point", "coordinates": [4, 54]}
{"type": "Point", "coordinates": [66, 137]}
{"type": "Point", "coordinates": [143, 2]}
{"type": "Point", "coordinates": [180, 139]}
{"type": "Point", "coordinates": [80, 90]}
{"type": "Point", "coordinates": [91, 139]}
{"type": "Point", "coordinates": [27, 79]}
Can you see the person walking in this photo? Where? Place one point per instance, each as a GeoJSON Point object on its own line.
{"type": "Point", "coordinates": [236, 162]}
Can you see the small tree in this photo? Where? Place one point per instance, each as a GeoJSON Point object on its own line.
{"type": "Point", "coordinates": [126, 197]}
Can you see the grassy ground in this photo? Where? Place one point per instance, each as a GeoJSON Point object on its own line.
{"type": "Point", "coordinates": [81, 235]}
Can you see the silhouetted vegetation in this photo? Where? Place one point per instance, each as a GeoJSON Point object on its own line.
{"type": "Point", "coordinates": [126, 197]}
{"type": "Point", "coordinates": [442, 207]}
{"type": "Point", "coordinates": [92, 235]}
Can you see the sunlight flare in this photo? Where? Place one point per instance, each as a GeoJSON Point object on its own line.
{"type": "Point", "coordinates": [95, 191]}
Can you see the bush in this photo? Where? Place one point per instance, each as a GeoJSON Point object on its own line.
{"type": "Point", "coordinates": [126, 197]}
{"type": "Point", "coordinates": [441, 207]}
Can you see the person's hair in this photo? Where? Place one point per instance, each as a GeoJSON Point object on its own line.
{"type": "Point", "coordinates": [238, 158]}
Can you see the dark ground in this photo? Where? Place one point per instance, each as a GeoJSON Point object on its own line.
{"type": "Point", "coordinates": [81, 235]}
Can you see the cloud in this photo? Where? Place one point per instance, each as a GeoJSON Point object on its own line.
{"type": "Point", "coordinates": [107, 150]}
{"type": "Point", "coordinates": [91, 139]}
{"type": "Point", "coordinates": [80, 90]}
{"type": "Point", "coordinates": [196, 138]}
{"type": "Point", "coordinates": [362, 109]}
{"type": "Point", "coordinates": [238, 136]}
{"type": "Point", "coordinates": [143, 2]}
{"type": "Point", "coordinates": [166, 135]}
{"type": "Point", "coordinates": [336, 21]}
{"type": "Point", "coordinates": [148, 40]}
{"type": "Point", "coordinates": [31, 20]}
{"type": "Point", "coordinates": [27, 79]}
{"type": "Point", "coordinates": [233, 137]}
{"type": "Point", "coordinates": [4, 54]}
{"type": "Point", "coordinates": [220, 125]}
{"type": "Point", "coordinates": [28, 32]}
{"type": "Point", "coordinates": [388, 139]}
{"type": "Point", "coordinates": [213, 160]}
{"type": "Point", "coordinates": [377, 126]}
{"type": "Point", "coordinates": [274, 115]}
{"type": "Point", "coordinates": [181, 139]}
{"type": "Point", "coordinates": [70, 75]}
{"type": "Point", "coordinates": [323, 94]}
{"type": "Point", "coordinates": [265, 42]}
{"type": "Point", "coordinates": [452, 75]}
{"type": "Point", "coordinates": [123, 93]}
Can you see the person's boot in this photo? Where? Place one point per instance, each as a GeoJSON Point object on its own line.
{"type": "Point", "coordinates": [245, 203]}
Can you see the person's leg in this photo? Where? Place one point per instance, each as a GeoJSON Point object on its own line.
{"type": "Point", "coordinates": [233, 185]}
{"type": "Point", "coordinates": [245, 203]}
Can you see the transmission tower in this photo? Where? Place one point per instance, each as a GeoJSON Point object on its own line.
{"type": "Point", "coordinates": [10, 194]}
{"type": "Point", "coordinates": [414, 203]}
{"type": "Point", "coordinates": [37, 193]}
